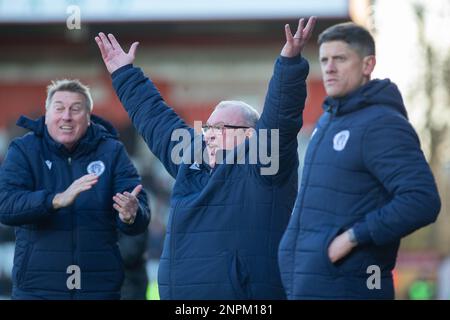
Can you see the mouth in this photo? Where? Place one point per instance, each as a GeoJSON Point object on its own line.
{"type": "Point", "coordinates": [330, 81]}
{"type": "Point", "coordinates": [66, 129]}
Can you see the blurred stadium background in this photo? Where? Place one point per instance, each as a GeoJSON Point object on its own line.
{"type": "Point", "coordinates": [200, 52]}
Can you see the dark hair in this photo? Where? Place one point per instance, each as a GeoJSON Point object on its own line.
{"type": "Point", "coordinates": [355, 36]}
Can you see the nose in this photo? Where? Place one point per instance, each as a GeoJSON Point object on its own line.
{"type": "Point", "coordinates": [210, 136]}
{"type": "Point", "coordinates": [330, 67]}
{"type": "Point", "coordinates": [67, 116]}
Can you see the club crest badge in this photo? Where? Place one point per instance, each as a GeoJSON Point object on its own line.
{"type": "Point", "coordinates": [340, 140]}
{"type": "Point", "coordinates": [96, 167]}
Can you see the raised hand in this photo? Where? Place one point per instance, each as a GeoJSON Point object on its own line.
{"type": "Point", "coordinates": [113, 54]}
{"type": "Point", "coordinates": [67, 197]}
{"type": "Point", "coordinates": [127, 204]}
{"type": "Point", "coordinates": [295, 43]}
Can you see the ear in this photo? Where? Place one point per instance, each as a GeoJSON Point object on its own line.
{"type": "Point", "coordinates": [368, 65]}
{"type": "Point", "coordinates": [89, 119]}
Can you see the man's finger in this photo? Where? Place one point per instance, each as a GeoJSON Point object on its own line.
{"type": "Point", "coordinates": [84, 184]}
{"type": "Point", "coordinates": [87, 183]}
{"type": "Point", "coordinates": [133, 49]}
{"type": "Point", "coordinates": [298, 34]}
{"type": "Point", "coordinates": [122, 197]}
{"type": "Point", "coordinates": [287, 31]}
{"type": "Point", "coordinates": [120, 201]}
{"type": "Point", "coordinates": [101, 46]}
{"type": "Point", "coordinates": [84, 180]}
{"type": "Point", "coordinates": [117, 207]}
{"type": "Point", "coordinates": [88, 178]}
{"type": "Point", "coordinates": [106, 42]}
{"type": "Point", "coordinates": [136, 190]}
{"type": "Point", "coordinates": [309, 27]}
{"type": "Point", "coordinates": [91, 182]}
{"type": "Point", "coordinates": [115, 44]}
{"type": "Point", "coordinates": [79, 189]}
{"type": "Point", "coordinates": [84, 187]}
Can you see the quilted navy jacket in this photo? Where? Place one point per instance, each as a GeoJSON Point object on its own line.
{"type": "Point", "coordinates": [225, 224]}
{"type": "Point", "coordinates": [84, 234]}
{"type": "Point", "coordinates": [363, 169]}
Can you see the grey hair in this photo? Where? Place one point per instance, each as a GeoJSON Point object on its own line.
{"type": "Point", "coordinates": [251, 116]}
{"type": "Point", "coordinates": [71, 86]}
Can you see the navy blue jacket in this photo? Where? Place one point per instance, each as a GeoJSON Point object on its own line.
{"type": "Point", "coordinates": [363, 169]}
{"type": "Point", "coordinates": [84, 234]}
{"type": "Point", "coordinates": [225, 224]}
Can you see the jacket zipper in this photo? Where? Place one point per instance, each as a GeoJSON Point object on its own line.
{"type": "Point", "coordinates": [324, 131]}
{"type": "Point", "coordinates": [69, 162]}
{"type": "Point", "coordinates": [172, 240]}
{"type": "Point", "coordinates": [172, 254]}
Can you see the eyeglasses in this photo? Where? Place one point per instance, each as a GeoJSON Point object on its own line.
{"type": "Point", "coordinates": [218, 128]}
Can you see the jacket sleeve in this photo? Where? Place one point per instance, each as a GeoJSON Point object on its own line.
{"type": "Point", "coordinates": [126, 178]}
{"type": "Point", "coordinates": [133, 249]}
{"type": "Point", "coordinates": [283, 109]}
{"type": "Point", "coordinates": [150, 115]}
{"type": "Point", "coordinates": [391, 151]}
{"type": "Point", "coordinates": [19, 203]}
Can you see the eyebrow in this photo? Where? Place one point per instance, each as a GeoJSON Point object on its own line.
{"type": "Point", "coordinates": [340, 55]}
{"type": "Point", "coordinates": [75, 103]}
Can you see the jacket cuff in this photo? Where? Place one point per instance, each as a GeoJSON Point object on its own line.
{"type": "Point", "coordinates": [292, 60]}
{"type": "Point", "coordinates": [138, 226]}
{"type": "Point", "coordinates": [121, 70]}
{"type": "Point", "coordinates": [49, 203]}
{"type": "Point", "coordinates": [362, 233]}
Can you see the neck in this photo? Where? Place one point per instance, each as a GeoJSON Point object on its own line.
{"type": "Point", "coordinates": [212, 161]}
{"type": "Point", "coordinates": [365, 80]}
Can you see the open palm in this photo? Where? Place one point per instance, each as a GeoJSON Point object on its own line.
{"type": "Point", "coordinates": [113, 54]}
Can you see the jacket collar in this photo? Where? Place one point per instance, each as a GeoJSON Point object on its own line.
{"type": "Point", "coordinates": [376, 91]}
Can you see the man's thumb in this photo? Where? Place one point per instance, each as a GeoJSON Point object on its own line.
{"type": "Point", "coordinates": [136, 190]}
{"type": "Point", "coordinates": [133, 49]}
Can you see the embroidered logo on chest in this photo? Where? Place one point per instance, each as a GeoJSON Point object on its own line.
{"type": "Point", "coordinates": [96, 167]}
{"type": "Point", "coordinates": [195, 166]}
{"type": "Point", "coordinates": [340, 140]}
{"type": "Point", "coordinates": [49, 164]}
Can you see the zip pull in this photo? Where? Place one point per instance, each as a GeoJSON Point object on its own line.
{"type": "Point", "coordinates": [69, 160]}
